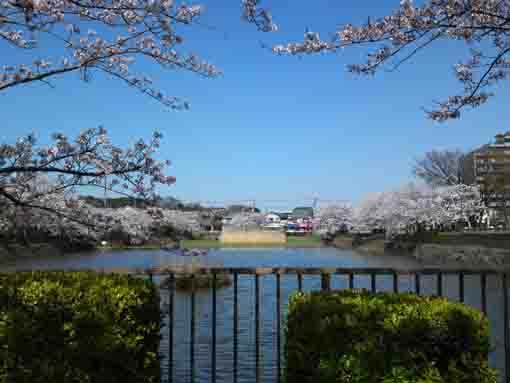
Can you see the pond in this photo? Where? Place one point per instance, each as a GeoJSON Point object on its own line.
{"type": "Point", "coordinates": [251, 258]}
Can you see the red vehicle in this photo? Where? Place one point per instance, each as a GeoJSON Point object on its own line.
{"type": "Point", "coordinates": [305, 226]}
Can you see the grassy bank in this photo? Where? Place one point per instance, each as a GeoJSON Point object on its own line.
{"type": "Point", "coordinates": [309, 241]}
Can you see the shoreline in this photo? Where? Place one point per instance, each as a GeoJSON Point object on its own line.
{"type": "Point", "coordinates": [13, 251]}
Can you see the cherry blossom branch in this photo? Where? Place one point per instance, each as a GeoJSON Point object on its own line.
{"type": "Point", "coordinates": [88, 161]}
{"type": "Point", "coordinates": [144, 29]}
{"type": "Point", "coordinates": [485, 23]}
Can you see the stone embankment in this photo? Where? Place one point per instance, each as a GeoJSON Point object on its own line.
{"type": "Point", "coordinates": [470, 255]}
{"type": "Point", "coordinates": [472, 250]}
{"type": "Point", "coordinates": [12, 251]}
{"type": "Point", "coordinates": [372, 244]}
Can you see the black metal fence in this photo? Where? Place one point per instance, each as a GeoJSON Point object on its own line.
{"type": "Point", "coordinates": [488, 287]}
{"type": "Point", "coordinates": [437, 276]}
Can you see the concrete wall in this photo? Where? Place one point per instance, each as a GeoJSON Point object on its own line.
{"type": "Point", "coordinates": [496, 240]}
{"type": "Point", "coordinates": [434, 254]}
{"type": "Point", "coordinates": [253, 237]}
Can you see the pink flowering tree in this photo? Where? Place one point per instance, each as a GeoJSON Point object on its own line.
{"type": "Point", "coordinates": [412, 207]}
{"type": "Point", "coordinates": [483, 25]}
{"type": "Point", "coordinates": [98, 35]}
{"type": "Point", "coordinates": [70, 166]}
{"type": "Point", "coordinates": [110, 36]}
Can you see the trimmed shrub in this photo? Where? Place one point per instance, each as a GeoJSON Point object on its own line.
{"type": "Point", "coordinates": [357, 337]}
{"type": "Point", "coordinates": [78, 327]}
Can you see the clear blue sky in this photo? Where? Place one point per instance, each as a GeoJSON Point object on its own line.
{"type": "Point", "coordinates": [271, 127]}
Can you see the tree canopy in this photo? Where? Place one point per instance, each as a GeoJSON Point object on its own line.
{"type": "Point", "coordinates": [110, 35]}
{"type": "Point", "coordinates": [442, 168]}
{"type": "Point", "coordinates": [483, 25]}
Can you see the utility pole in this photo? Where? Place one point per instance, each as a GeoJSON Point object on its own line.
{"type": "Point", "coordinates": [105, 203]}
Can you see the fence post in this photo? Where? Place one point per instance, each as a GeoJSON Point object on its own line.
{"type": "Point", "coordinates": [278, 329]}
{"type": "Point", "coordinates": [483, 286]}
{"type": "Point", "coordinates": [325, 282]}
{"type": "Point", "coordinates": [236, 327]}
{"type": "Point", "coordinates": [171, 292]}
{"type": "Point", "coordinates": [213, 348]}
{"type": "Point", "coordinates": [257, 328]}
{"type": "Point", "coordinates": [192, 331]}
{"type": "Point", "coordinates": [506, 330]}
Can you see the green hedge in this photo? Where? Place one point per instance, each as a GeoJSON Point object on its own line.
{"type": "Point", "coordinates": [357, 337]}
{"type": "Point", "coordinates": [78, 327]}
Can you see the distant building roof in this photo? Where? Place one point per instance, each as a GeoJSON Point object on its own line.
{"type": "Point", "coordinates": [302, 212]}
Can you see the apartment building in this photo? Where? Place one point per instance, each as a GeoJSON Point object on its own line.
{"type": "Point", "coordinates": [492, 172]}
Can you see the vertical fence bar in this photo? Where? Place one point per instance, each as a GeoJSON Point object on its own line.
{"type": "Point", "coordinates": [257, 328]}
{"type": "Point", "coordinates": [417, 287]}
{"type": "Point", "coordinates": [300, 282]}
{"type": "Point", "coordinates": [325, 282]}
{"type": "Point", "coordinates": [192, 333]}
{"type": "Point", "coordinates": [395, 282]}
{"type": "Point", "coordinates": [278, 329]}
{"type": "Point", "coordinates": [213, 348]}
{"type": "Point", "coordinates": [7, 362]}
{"type": "Point", "coordinates": [171, 292]}
{"type": "Point", "coordinates": [461, 287]}
{"type": "Point", "coordinates": [483, 285]}
{"type": "Point", "coordinates": [5, 351]}
{"type": "Point", "coordinates": [151, 278]}
{"type": "Point", "coordinates": [236, 328]}
{"type": "Point", "coordinates": [16, 305]}
{"type": "Point", "coordinates": [373, 285]}
{"type": "Point", "coordinates": [505, 322]}
{"type": "Point", "coordinates": [351, 280]}
{"type": "Point", "coordinates": [439, 284]}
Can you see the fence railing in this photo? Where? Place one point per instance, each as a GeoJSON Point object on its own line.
{"type": "Point", "coordinates": [489, 288]}
{"type": "Point", "coordinates": [435, 279]}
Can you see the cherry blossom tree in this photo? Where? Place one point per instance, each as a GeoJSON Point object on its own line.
{"type": "Point", "coordinates": [372, 211]}
{"type": "Point", "coordinates": [483, 25]}
{"type": "Point", "coordinates": [412, 207]}
{"type": "Point", "coordinates": [334, 217]}
{"type": "Point", "coordinates": [109, 35]}
{"type": "Point", "coordinates": [462, 203]}
{"type": "Point", "coordinates": [88, 161]}
{"type": "Point", "coordinates": [99, 35]}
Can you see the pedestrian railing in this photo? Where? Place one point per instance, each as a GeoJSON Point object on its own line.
{"type": "Point", "coordinates": [435, 278]}
{"type": "Point", "coordinates": [489, 288]}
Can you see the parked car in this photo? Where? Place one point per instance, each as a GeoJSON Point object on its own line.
{"type": "Point", "coordinates": [363, 230]}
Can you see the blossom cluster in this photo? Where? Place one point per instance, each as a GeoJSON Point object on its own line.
{"type": "Point", "coordinates": [261, 17]}
{"type": "Point", "coordinates": [88, 161]}
{"type": "Point", "coordinates": [100, 35]}
{"type": "Point", "coordinates": [483, 25]}
{"type": "Point", "coordinates": [404, 208]}
{"type": "Point", "coordinates": [412, 204]}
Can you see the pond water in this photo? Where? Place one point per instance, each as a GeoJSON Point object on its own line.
{"type": "Point", "coordinates": [247, 258]}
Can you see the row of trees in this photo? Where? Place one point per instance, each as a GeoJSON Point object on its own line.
{"type": "Point", "coordinates": [109, 35]}
{"type": "Point", "coordinates": [454, 167]}
{"type": "Point", "coordinates": [411, 208]}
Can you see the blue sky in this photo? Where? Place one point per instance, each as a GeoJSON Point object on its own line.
{"type": "Point", "coordinates": [271, 128]}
